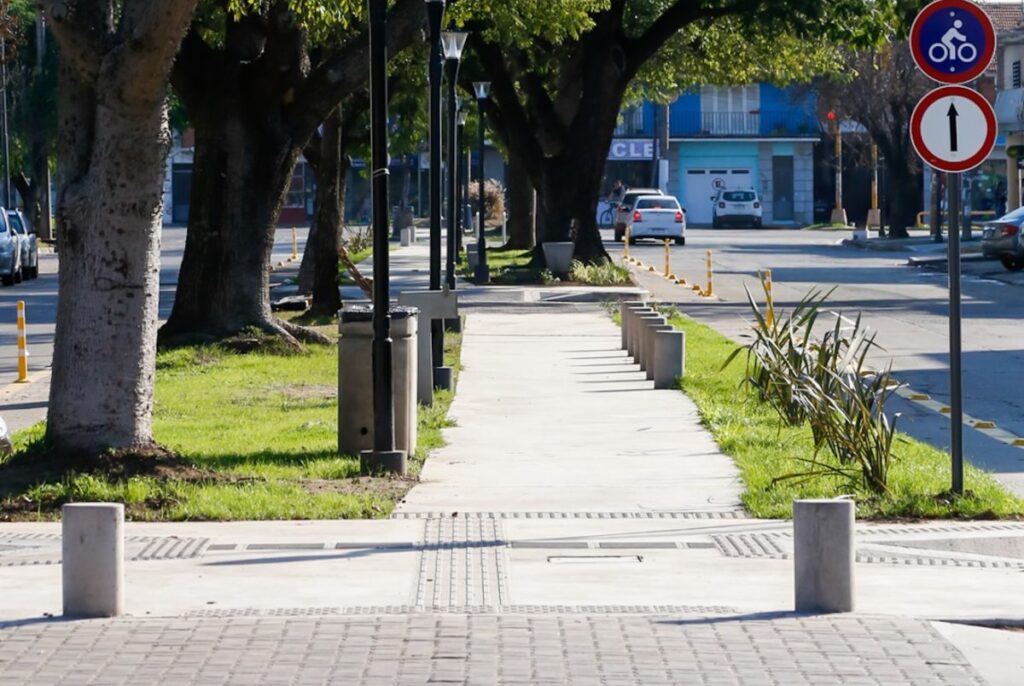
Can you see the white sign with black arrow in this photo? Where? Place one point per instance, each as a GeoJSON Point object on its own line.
{"type": "Point", "coordinates": [953, 129]}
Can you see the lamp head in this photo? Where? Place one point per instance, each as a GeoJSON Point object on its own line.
{"type": "Point", "coordinates": [453, 42]}
{"type": "Point", "coordinates": [482, 89]}
{"type": "Point", "coordinates": [461, 117]}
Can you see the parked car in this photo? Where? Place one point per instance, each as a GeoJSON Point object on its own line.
{"type": "Point", "coordinates": [657, 216]}
{"type": "Point", "coordinates": [625, 208]}
{"type": "Point", "coordinates": [29, 244]}
{"type": "Point", "coordinates": [736, 207]}
{"type": "Point", "coordinates": [10, 252]}
{"type": "Point", "coordinates": [1001, 238]}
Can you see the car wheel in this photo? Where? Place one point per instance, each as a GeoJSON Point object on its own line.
{"type": "Point", "coordinates": [19, 275]}
{"type": "Point", "coordinates": [1013, 264]}
{"type": "Point", "coordinates": [8, 279]}
{"type": "Point", "coordinates": [715, 224]}
{"type": "Point", "coordinates": [618, 236]}
{"type": "Point", "coordinates": [32, 273]}
{"type": "Point", "coordinates": [633, 240]}
{"type": "Point", "coordinates": [681, 240]}
{"type": "Point", "coordinates": [757, 223]}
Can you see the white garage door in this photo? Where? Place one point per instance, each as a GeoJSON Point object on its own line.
{"type": "Point", "coordinates": [701, 184]}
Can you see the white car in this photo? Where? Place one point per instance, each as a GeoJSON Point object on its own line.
{"type": "Point", "coordinates": [736, 207]}
{"type": "Point", "coordinates": [625, 208]}
{"type": "Point", "coordinates": [29, 244]}
{"type": "Point", "coordinates": [657, 216]}
{"type": "Point", "coordinates": [10, 252]}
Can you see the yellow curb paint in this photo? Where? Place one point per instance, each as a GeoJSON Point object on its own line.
{"type": "Point", "coordinates": [1019, 442]}
{"type": "Point", "coordinates": [945, 410]}
{"type": "Point", "coordinates": [984, 425]}
{"type": "Point", "coordinates": [919, 396]}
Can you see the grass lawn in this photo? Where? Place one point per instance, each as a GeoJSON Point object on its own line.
{"type": "Point", "coordinates": [512, 267]}
{"type": "Point", "coordinates": [260, 430]}
{"type": "Point", "coordinates": [764, 448]}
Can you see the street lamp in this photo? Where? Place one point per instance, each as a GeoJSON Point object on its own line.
{"type": "Point", "coordinates": [463, 175]}
{"type": "Point", "coordinates": [384, 456]}
{"type": "Point", "coordinates": [453, 42]}
{"type": "Point", "coordinates": [435, 15]}
{"type": "Point", "coordinates": [482, 90]}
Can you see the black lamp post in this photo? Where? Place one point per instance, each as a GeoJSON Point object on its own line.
{"type": "Point", "coordinates": [483, 274]}
{"type": "Point", "coordinates": [383, 457]}
{"type": "Point", "coordinates": [435, 15]}
{"type": "Point", "coordinates": [463, 177]}
{"type": "Point", "coordinates": [453, 42]}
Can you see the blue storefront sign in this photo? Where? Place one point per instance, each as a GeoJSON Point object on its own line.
{"type": "Point", "coordinates": [631, 149]}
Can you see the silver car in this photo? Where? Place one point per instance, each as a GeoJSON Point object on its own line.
{"type": "Point", "coordinates": [624, 210]}
{"type": "Point", "coordinates": [1001, 238]}
{"type": "Point", "coordinates": [10, 252]}
{"type": "Point", "coordinates": [29, 243]}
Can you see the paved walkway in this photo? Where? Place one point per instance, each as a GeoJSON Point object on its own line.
{"type": "Point", "coordinates": [580, 527]}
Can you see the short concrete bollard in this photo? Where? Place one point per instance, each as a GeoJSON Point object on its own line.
{"type": "Point", "coordinates": [653, 331]}
{"type": "Point", "coordinates": [92, 557]}
{"type": "Point", "coordinates": [823, 555]}
{"type": "Point", "coordinates": [624, 311]}
{"type": "Point", "coordinates": [644, 324]}
{"type": "Point", "coordinates": [669, 357]}
{"type": "Point", "coordinates": [355, 379]}
{"type": "Point", "coordinates": [432, 305]}
{"type": "Point", "coordinates": [633, 336]}
{"type": "Point", "coordinates": [408, 236]}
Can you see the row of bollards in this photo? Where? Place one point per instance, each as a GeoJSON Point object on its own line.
{"type": "Point", "coordinates": [653, 343]}
{"type": "Point", "coordinates": [823, 530]}
{"type": "Point", "coordinates": [706, 291]}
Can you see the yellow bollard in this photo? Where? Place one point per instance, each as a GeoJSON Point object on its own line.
{"type": "Point", "coordinates": [766, 277]}
{"type": "Point", "coordinates": [295, 244]}
{"type": "Point", "coordinates": [22, 345]}
{"type": "Point", "coordinates": [710, 290]}
{"type": "Point", "coordinates": [668, 258]}
{"type": "Point", "coordinates": [626, 246]}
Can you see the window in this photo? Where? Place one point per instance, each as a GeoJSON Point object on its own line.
{"type": "Point", "coordinates": [738, 196]}
{"type": "Point", "coordinates": [665, 203]}
{"type": "Point", "coordinates": [1016, 74]}
{"type": "Point", "coordinates": [730, 110]}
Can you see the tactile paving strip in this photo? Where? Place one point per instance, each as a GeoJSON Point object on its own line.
{"type": "Point", "coordinates": [653, 514]}
{"type": "Point", "coordinates": [700, 610]}
{"type": "Point", "coordinates": [464, 563]}
{"type": "Point", "coordinates": [18, 550]}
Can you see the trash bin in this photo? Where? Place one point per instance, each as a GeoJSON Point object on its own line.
{"type": "Point", "coordinates": [355, 378]}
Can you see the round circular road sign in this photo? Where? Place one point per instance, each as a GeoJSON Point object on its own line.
{"type": "Point", "coordinates": [952, 41]}
{"type": "Point", "coordinates": [953, 129]}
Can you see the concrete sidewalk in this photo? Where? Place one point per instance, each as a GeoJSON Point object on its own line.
{"type": "Point", "coordinates": [580, 527]}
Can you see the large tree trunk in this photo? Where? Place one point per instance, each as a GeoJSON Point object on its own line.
{"type": "Point", "coordinates": [113, 139]}
{"type": "Point", "coordinates": [520, 206]}
{"type": "Point", "coordinates": [935, 205]}
{"type": "Point", "coordinates": [330, 201]}
{"type": "Point", "coordinates": [904, 198]}
{"type": "Point", "coordinates": [241, 171]}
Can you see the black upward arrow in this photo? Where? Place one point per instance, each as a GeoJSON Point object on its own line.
{"type": "Point", "coordinates": [952, 114]}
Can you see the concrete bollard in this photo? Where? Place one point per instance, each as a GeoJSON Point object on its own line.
{"type": "Point", "coordinates": [653, 331]}
{"type": "Point", "coordinates": [634, 329]}
{"type": "Point", "coordinates": [408, 236]}
{"type": "Point", "coordinates": [823, 555]}
{"type": "Point", "coordinates": [92, 557]}
{"type": "Point", "coordinates": [432, 305]}
{"type": "Point", "coordinates": [624, 312]}
{"type": "Point", "coordinates": [355, 379]}
{"type": "Point", "coordinates": [669, 357]}
{"type": "Point", "coordinates": [645, 322]}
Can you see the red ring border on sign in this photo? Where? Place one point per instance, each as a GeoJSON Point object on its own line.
{"type": "Point", "coordinates": [944, 165]}
{"type": "Point", "coordinates": [985, 58]}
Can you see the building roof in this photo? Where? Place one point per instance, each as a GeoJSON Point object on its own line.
{"type": "Point", "coordinates": [1006, 15]}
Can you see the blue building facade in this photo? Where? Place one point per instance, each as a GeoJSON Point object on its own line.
{"type": "Point", "coordinates": [757, 136]}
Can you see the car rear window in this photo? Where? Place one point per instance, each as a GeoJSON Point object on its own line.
{"type": "Point", "coordinates": [738, 196]}
{"type": "Point", "coordinates": [666, 203]}
{"type": "Point", "coordinates": [16, 223]}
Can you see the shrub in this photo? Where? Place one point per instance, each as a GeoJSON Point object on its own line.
{"type": "Point", "coordinates": [605, 274]}
{"type": "Point", "coordinates": [494, 199]}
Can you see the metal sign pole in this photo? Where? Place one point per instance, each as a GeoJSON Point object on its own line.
{"type": "Point", "coordinates": [956, 416]}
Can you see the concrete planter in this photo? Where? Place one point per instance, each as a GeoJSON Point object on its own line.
{"type": "Point", "coordinates": [558, 256]}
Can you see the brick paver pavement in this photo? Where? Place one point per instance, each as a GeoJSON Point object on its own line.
{"type": "Point", "coordinates": [483, 649]}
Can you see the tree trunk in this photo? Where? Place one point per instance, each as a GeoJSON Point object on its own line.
{"type": "Point", "coordinates": [560, 203]}
{"type": "Point", "coordinates": [330, 201]}
{"type": "Point", "coordinates": [113, 140]}
{"type": "Point", "coordinates": [240, 174]}
{"type": "Point", "coordinates": [904, 199]}
{"type": "Point", "coordinates": [935, 209]}
{"type": "Point", "coordinates": [520, 206]}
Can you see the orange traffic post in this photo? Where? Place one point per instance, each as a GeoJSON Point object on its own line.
{"type": "Point", "coordinates": [710, 290]}
{"type": "Point", "coordinates": [22, 345]}
{"type": "Point", "coordinates": [668, 258]}
{"type": "Point", "coordinates": [295, 244]}
{"type": "Point", "coordinates": [770, 315]}
{"type": "Point", "coordinates": [626, 246]}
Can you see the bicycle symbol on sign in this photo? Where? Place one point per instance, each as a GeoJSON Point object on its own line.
{"type": "Point", "coordinates": [947, 51]}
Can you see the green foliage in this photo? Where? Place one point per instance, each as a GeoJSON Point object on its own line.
{"type": "Point", "coordinates": [606, 273]}
{"type": "Point", "coordinates": [764, 446]}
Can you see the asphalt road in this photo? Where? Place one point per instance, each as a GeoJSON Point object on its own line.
{"type": "Point", "coordinates": [907, 307]}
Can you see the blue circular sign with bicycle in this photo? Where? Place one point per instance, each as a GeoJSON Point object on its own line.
{"type": "Point", "coordinates": [952, 41]}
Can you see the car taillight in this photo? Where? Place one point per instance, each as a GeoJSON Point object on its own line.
{"type": "Point", "coordinates": [721, 205]}
{"type": "Point", "coordinates": [637, 217]}
{"type": "Point", "coordinates": [757, 205]}
{"type": "Point", "coordinates": [679, 217]}
{"type": "Point", "coordinates": [1009, 230]}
